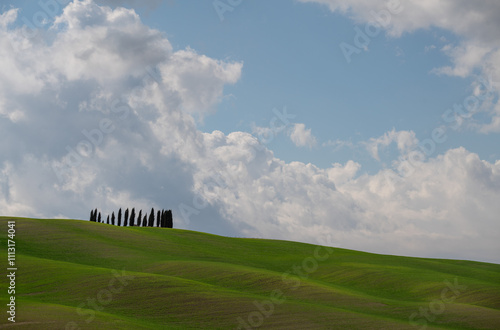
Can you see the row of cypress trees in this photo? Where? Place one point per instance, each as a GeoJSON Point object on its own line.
{"type": "Point", "coordinates": [163, 218]}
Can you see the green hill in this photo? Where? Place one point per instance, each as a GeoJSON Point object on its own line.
{"type": "Point", "coordinates": [83, 275]}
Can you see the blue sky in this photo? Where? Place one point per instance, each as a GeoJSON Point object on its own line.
{"type": "Point", "coordinates": [352, 160]}
{"type": "Point", "coordinates": [292, 58]}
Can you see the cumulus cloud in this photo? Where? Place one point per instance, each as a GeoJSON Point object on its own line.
{"type": "Point", "coordinates": [405, 141]}
{"type": "Point", "coordinates": [477, 52]}
{"type": "Point", "coordinates": [100, 114]}
{"type": "Point", "coordinates": [445, 207]}
{"type": "Point", "coordinates": [183, 73]}
{"type": "Point", "coordinates": [446, 200]}
{"type": "Point", "coordinates": [341, 174]}
{"type": "Point", "coordinates": [301, 136]}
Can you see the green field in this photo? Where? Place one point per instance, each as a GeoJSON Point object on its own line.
{"type": "Point", "coordinates": [84, 275]}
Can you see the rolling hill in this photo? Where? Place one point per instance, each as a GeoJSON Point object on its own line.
{"type": "Point", "coordinates": [83, 275]}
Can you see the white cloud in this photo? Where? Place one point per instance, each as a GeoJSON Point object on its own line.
{"type": "Point", "coordinates": [465, 58]}
{"type": "Point", "coordinates": [8, 17]}
{"type": "Point", "coordinates": [443, 206]}
{"type": "Point", "coordinates": [405, 141]}
{"type": "Point", "coordinates": [119, 137]}
{"type": "Point", "coordinates": [264, 132]}
{"type": "Point", "coordinates": [341, 174]}
{"type": "Point", "coordinates": [471, 19]}
{"type": "Point", "coordinates": [104, 44]}
{"type": "Point", "coordinates": [302, 137]}
{"type": "Point", "coordinates": [183, 73]}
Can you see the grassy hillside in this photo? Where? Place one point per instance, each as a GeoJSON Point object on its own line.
{"type": "Point", "coordinates": [84, 275]}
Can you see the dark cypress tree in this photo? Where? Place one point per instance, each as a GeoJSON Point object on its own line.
{"type": "Point", "coordinates": [119, 217]}
{"type": "Point", "coordinates": [125, 220]}
{"type": "Point", "coordinates": [151, 217]}
{"type": "Point", "coordinates": [145, 221]}
{"type": "Point", "coordinates": [95, 215]}
{"type": "Point", "coordinates": [113, 218]}
{"type": "Point", "coordinates": [170, 220]}
{"type": "Point", "coordinates": [99, 217]}
{"type": "Point", "coordinates": [132, 218]}
{"type": "Point", "coordinates": [158, 218]}
{"type": "Point", "coordinates": [139, 218]}
{"type": "Point", "coordinates": [163, 218]}
{"type": "Point", "coordinates": [91, 215]}
{"type": "Point", "coordinates": [108, 220]}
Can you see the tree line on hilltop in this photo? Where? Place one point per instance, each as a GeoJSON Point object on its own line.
{"type": "Point", "coordinates": [163, 218]}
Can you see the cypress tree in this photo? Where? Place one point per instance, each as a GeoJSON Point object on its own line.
{"type": "Point", "coordinates": [158, 218]}
{"type": "Point", "coordinates": [95, 215]}
{"type": "Point", "coordinates": [120, 217]}
{"type": "Point", "coordinates": [99, 217]}
{"type": "Point", "coordinates": [125, 221]}
{"type": "Point", "coordinates": [108, 220]}
{"type": "Point", "coordinates": [132, 218]}
{"type": "Point", "coordinates": [139, 218]}
{"type": "Point", "coordinates": [170, 220]}
{"type": "Point", "coordinates": [145, 221]}
{"type": "Point", "coordinates": [151, 217]}
{"type": "Point", "coordinates": [91, 215]}
{"type": "Point", "coordinates": [113, 218]}
{"type": "Point", "coordinates": [163, 218]}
